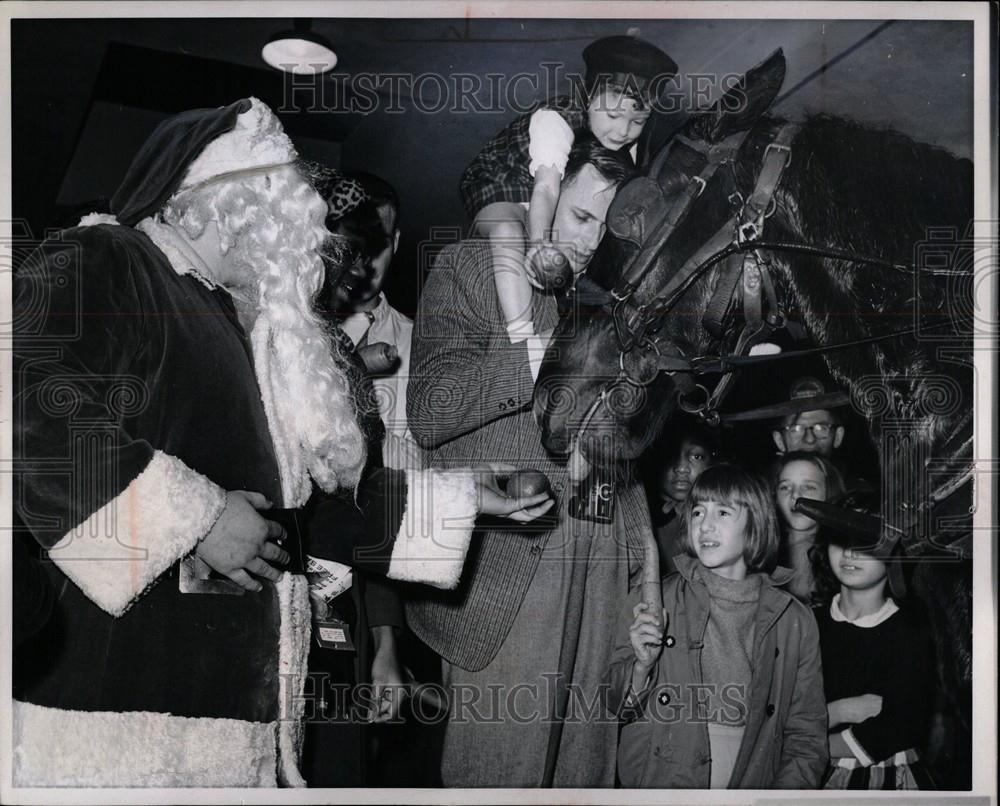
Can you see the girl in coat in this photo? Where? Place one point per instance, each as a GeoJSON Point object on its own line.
{"type": "Point", "coordinates": [725, 688]}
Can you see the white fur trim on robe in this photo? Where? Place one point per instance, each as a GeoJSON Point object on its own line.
{"type": "Point", "coordinates": [293, 656]}
{"type": "Point", "coordinates": [257, 141]}
{"type": "Point", "coordinates": [93, 219]}
{"type": "Point", "coordinates": [123, 547]}
{"type": "Point", "coordinates": [180, 255]}
{"type": "Point", "coordinates": [55, 747]}
{"type": "Point", "coordinates": [437, 528]}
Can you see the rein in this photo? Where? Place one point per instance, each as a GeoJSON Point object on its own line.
{"type": "Point", "coordinates": [640, 357]}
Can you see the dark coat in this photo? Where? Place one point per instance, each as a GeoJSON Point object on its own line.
{"type": "Point", "coordinates": [136, 407]}
{"type": "Point", "coordinates": [664, 741]}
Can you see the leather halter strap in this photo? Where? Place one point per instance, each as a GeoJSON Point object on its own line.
{"type": "Point", "coordinates": [713, 156]}
{"type": "Point", "coordinates": [750, 226]}
{"type": "Point", "coordinates": [750, 267]}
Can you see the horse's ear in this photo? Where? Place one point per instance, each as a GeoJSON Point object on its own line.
{"type": "Point", "coordinates": [742, 104]}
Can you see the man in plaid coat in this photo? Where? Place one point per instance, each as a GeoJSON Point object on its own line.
{"type": "Point", "coordinates": [499, 633]}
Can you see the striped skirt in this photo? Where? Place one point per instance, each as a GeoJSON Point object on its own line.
{"type": "Point", "coordinates": [903, 770]}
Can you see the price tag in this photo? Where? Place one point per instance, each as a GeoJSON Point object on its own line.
{"type": "Point", "coordinates": [333, 634]}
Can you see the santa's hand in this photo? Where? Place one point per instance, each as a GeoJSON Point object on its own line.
{"type": "Point", "coordinates": [238, 544]}
{"type": "Point", "coordinates": [494, 501]}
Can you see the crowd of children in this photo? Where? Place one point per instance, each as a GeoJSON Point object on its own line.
{"type": "Point", "coordinates": [786, 655]}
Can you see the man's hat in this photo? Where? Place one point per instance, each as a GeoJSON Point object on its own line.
{"type": "Point", "coordinates": [806, 394]}
{"type": "Point", "coordinates": [851, 523]}
{"type": "Point", "coordinates": [809, 394]}
{"type": "Point", "coordinates": [628, 62]}
{"type": "Point", "coordinates": [195, 147]}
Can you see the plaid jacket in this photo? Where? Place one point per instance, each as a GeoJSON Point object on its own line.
{"type": "Point", "coordinates": [500, 171]}
{"type": "Point", "coordinates": [469, 402]}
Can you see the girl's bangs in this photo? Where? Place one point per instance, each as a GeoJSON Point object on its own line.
{"type": "Point", "coordinates": [719, 488]}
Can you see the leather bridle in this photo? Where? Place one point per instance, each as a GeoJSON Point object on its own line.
{"type": "Point", "coordinates": [746, 276]}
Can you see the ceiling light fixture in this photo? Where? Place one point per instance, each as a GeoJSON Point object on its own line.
{"type": "Point", "coordinates": [299, 51]}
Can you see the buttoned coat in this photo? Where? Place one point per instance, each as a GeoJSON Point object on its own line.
{"type": "Point", "coordinates": [664, 737]}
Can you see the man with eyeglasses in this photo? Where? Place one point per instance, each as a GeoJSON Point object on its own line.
{"type": "Point", "coordinates": [815, 430]}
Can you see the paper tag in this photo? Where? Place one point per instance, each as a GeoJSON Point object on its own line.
{"type": "Point", "coordinates": [327, 579]}
{"type": "Point", "coordinates": [333, 634]}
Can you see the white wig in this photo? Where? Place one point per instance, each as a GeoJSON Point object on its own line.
{"type": "Point", "coordinates": [271, 228]}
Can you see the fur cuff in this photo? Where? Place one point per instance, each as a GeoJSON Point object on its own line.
{"type": "Point", "coordinates": [123, 547]}
{"type": "Point", "coordinates": [436, 530]}
{"type": "Point", "coordinates": [257, 141]}
{"type": "Point", "coordinates": [53, 747]}
{"type": "Point", "coordinates": [92, 219]}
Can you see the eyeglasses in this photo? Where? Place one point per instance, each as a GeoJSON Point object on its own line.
{"type": "Point", "coordinates": [819, 430]}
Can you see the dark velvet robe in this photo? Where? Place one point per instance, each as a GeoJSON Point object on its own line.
{"type": "Point", "coordinates": [136, 407]}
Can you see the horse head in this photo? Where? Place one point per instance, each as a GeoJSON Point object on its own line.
{"type": "Point", "coordinates": [600, 387]}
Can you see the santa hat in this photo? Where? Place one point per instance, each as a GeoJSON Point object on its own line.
{"type": "Point", "coordinates": [202, 146]}
{"type": "Point", "coordinates": [198, 146]}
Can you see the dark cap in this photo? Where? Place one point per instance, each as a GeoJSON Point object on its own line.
{"type": "Point", "coordinates": [635, 65]}
{"type": "Point", "coordinates": [809, 394]}
{"type": "Point", "coordinates": [806, 394]}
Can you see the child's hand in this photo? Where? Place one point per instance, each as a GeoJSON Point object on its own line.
{"type": "Point", "coordinates": [529, 270]}
{"type": "Point", "coordinates": [854, 710]}
{"type": "Point", "coordinates": [646, 635]}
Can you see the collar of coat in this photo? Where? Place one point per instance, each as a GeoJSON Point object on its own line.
{"type": "Point", "coordinates": [773, 600]}
{"type": "Point", "coordinates": [687, 564]}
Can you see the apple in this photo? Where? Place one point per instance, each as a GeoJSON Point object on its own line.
{"type": "Point", "coordinates": [552, 268]}
{"type": "Point", "coordinates": [524, 483]}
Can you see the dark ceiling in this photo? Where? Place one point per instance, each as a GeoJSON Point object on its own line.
{"type": "Point", "coordinates": [86, 91]}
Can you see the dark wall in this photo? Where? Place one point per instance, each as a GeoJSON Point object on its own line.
{"type": "Point", "coordinates": [912, 75]}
